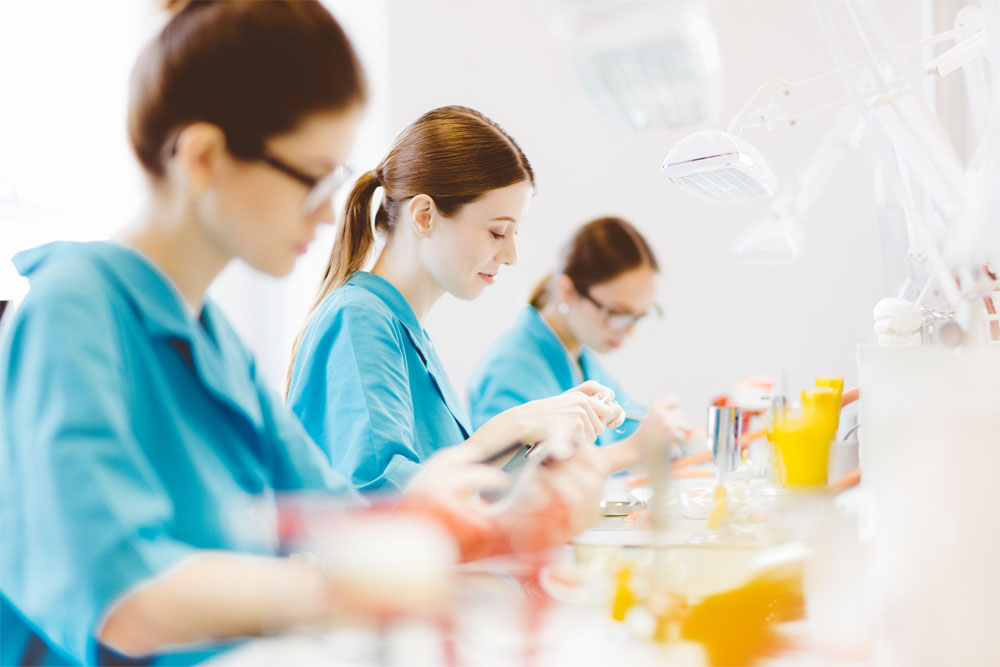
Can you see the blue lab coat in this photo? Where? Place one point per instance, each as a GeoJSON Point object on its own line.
{"type": "Point", "coordinates": [529, 362]}
{"type": "Point", "coordinates": [370, 389]}
{"type": "Point", "coordinates": [132, 433]}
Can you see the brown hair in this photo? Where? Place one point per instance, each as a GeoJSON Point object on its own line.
{"type": "Point", "coordinates": [255, 68]}
{"type": "Point", "coordinates": [601, 250]}
{"type": "Point", "coordinates": [452, 154]}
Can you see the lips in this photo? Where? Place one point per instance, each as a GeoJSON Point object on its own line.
{"type": "Point", "coordinates": [488, 278]}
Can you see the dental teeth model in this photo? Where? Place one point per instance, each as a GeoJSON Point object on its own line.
{"type": "Point", "coordinates": [897, 322]}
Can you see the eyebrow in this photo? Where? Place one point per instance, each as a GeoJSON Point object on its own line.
{"type": "Point", "coordinates": [503, 218]}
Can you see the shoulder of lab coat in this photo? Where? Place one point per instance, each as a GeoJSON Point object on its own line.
{"type": "Point", "coordinates": [133, 436]}
{"type": "Point", "coordinates": [528, 363]}
{"type": "Point", "coordinates": [370, 389]}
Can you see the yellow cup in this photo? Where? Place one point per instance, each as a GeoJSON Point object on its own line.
{"type": "Point", "coordinates": [802, 444]}
{"type": "Point", "coordinates": [837, 384]}
{"type": "Point", "coordinates": [822, 405]}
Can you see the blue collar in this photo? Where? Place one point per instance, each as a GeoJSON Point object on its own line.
{"type": "Point", "coordinates": [393, 298]}
{"type": "Point", "coordinates": [157, 302]}
{"type": "Point", "coordinates": [552, 347]}
{"type": "Point", "coordinates": [401, 309]}
{"type": "Point", "coordinates": [211, 347]}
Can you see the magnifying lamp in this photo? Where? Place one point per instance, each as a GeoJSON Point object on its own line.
{"type": "Point", "coordinates": [719, 166]}
{"type": "Point", "coordinates": [644, 63]}
{"type": "Point", "coordinates": [722, 167]}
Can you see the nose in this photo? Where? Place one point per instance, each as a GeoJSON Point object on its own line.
{"type": "Point", "coordinates": [508, 254]}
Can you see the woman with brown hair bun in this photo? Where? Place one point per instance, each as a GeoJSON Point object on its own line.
{"type": "Point", "coordinates": [366, 381]}
{"type": "Point", "coordinates": [135, 431]}
{"type": "Point", "coordinates": [604, 284]}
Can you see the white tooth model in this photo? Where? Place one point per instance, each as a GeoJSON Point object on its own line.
{"type": "Point", "coordinates": [392, 563]}
{"type": "Point", "coordinates": [897, 322]}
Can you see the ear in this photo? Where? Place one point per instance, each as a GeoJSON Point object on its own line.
{"type": "Point", "coordinates": [422, 212]}
{"type": "Point", "coordinates": [200, 149]}
{"type": "Point", "coordinates": [564, 289]}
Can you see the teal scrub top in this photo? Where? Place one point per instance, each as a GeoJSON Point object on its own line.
{"type": "Point", "coordinates": [133, 434]}
{"type": "Point", "coordinates": [529, 362]}
{"type": "Point", "coordinates": [370, 389]}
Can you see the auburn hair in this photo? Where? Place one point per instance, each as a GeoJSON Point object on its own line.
{"type": "Point", "coordinates": [452, 154]}
{"type": "Point", "coordinates": [254, 68]}
{"type": "Point", "coordinates": [599, 251]}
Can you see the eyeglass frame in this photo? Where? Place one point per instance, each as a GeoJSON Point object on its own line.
{"type": "Point", "coordinates": [321, 189]}
{"type": "Point", "coordinates": [628, 320]}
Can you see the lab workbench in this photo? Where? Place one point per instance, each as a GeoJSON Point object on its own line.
{"type": "Point", "coordinates": [493, 612]}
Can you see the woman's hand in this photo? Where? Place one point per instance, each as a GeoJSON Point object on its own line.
{"type": "Point", "coordinates": [583, 412]}
{"type": "Point", "coordinates": [453, 475]}
{"type": "Point", "coordinates": [664, 425]}
{"type": "Point", "coordinates": [555, 498]}
{"type": "Point", "coordinates": [558, 498]}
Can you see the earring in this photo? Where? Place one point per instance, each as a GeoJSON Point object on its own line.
{"type": "Point", "coordinates": [562, 308]}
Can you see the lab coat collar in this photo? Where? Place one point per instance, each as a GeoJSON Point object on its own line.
{"type": "Point", "coordinates": [392, 297]}
{"type": "Point", "coordinates": [207, 344]}
{"type": "Point", "coordinates": [155, 300]}
{"type": "Point", "coordinates": [567, 371]}
{"type": "Point", "coordinates": [401, 308]}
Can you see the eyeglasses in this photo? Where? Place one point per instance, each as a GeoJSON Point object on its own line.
{"type": "Point", "coordinates": [619, 320]}
{"type": "Point", "coordinates": [321, 190]}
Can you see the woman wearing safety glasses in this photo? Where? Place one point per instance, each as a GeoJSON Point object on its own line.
{"type": "Point", "coordinates": [140, 451]}
{"type": "Point", "coordinates": [605, 284]}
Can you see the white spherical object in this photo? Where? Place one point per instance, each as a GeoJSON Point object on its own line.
{"type": "Point", "coordinates": [389, 562]}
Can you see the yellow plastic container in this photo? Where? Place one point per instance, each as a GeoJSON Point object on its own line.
{"type": "Point", "coordinates": [837, 384]}
{"type": "Point", "coordinates": [822, 405]}
{"type": "Point", "coordinates": [834, 383]}
{"type": "Point", "coordinates": [803, 447]}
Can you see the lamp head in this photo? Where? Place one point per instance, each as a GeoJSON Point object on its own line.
{"type": "Point", "coordinates": [720, 167]}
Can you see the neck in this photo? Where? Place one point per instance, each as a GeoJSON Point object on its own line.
{"type": "Point", "coordinates": [399, 265]}
{"type": "Point", "coordinates": [559, 324]}
{"type": "Point", "coordinates": [171, 236]}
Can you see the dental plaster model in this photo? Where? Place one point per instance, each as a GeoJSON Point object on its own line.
{"type": "Point", "coordinates": [897, 322]}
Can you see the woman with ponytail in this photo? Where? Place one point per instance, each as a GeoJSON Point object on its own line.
{"type": "Point", "coordinates": [365, 379]}
{"type": "Point", "coordinates": [604, 284]}
{"type": "Point", "coordinates": [141, 450]}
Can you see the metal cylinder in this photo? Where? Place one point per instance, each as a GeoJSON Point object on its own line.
{"type": "Point", "coordinates": [724, 428]}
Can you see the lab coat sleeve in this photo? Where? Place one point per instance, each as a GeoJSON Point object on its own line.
{"type": "Point", "coordinates": [353, 396]}
{"type": "Point", "coordinates": [299, 464]}
{"type": "Point", "coordinates": [84, 517]}
{"type": "Point", "coordinates": [504, 381]}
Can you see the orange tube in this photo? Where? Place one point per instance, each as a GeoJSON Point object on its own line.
{"type": "Point", "coordinates": [852, 478]}
{"type": "Point", "coordinates": [850, 396]}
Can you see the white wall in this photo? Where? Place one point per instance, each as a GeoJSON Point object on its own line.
{"type": "Point", "coordinates": [725, 320]}
{"type": "Point", "coordinates": [63, 148]}
{"type": "Point", "coordinates": [66, 170]}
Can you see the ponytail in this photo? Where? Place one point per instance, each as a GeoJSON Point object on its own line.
{"type": "Point", "coordinates": [351, 249]}
{"type": "Point", "coordinates": [542, 294]}
{"type": "Point", "coordinates": [356, 238]}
